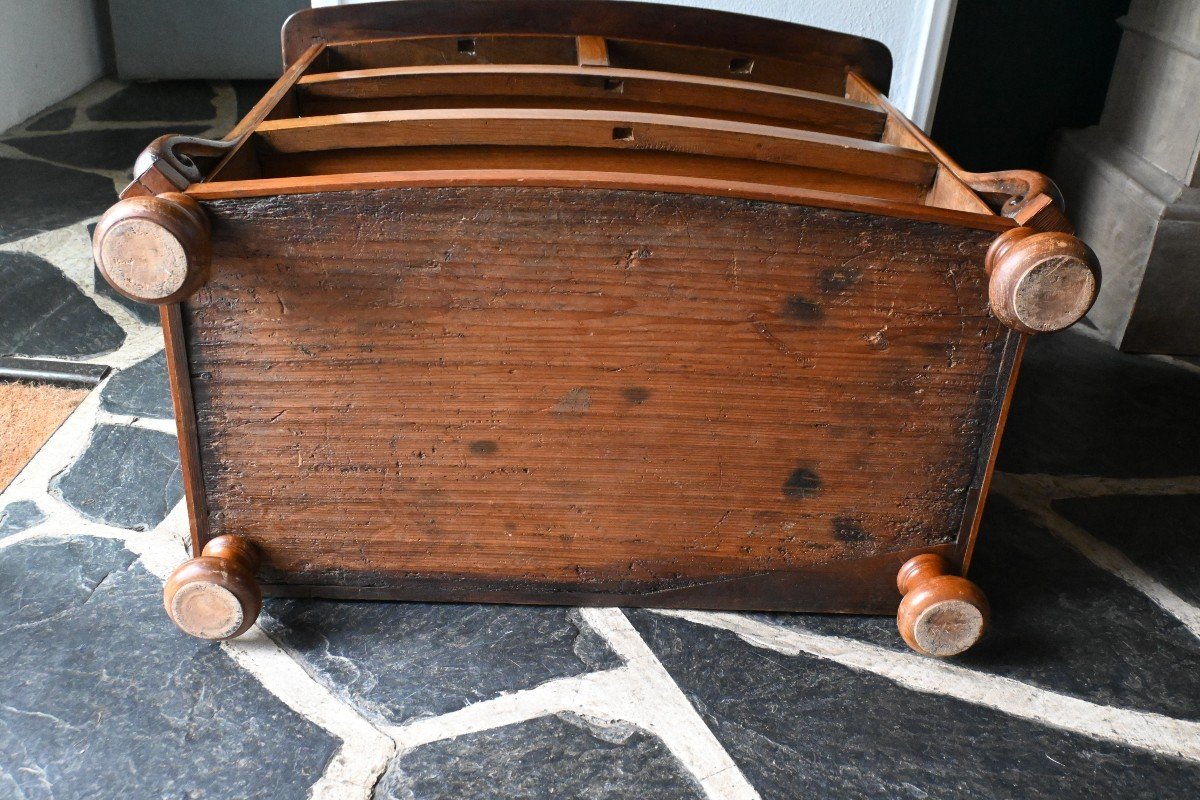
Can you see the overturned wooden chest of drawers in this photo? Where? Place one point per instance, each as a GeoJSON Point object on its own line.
{"type": "Point", "coordinates": [587, 302]}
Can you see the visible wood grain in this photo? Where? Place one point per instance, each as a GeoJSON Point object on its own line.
{"type": "Point", "coordinates": [829, 52]}
{"type": "Point", "coordinates": [597, 129]}
{"type": "Point", "coordinates": [748, 67]}
{"type": "Point", "coordinates": [468, 48]}
{"type": "Point", "coordinates": [591, 51]}
{"type": "Point", "coordinates": [948, 189]}
{"type": "Point", "coordinates": [1042, 214]}
{"type": "Point", "coordinates": [561, 50]}
{"type": "Point", "coordinates": [649, 163]}
{"type": "Point", "coordinates": [864, 585]}
{"type": "Point", "coordinates": [278, 101]}
{"type": "Point", "coordinates": [473, 85]}
{"type": "Point", "coordinates": [588, 391]}
{"type": "Point", "coordinates": [179, 375]}
{"type": "Point", "coordinates": [612, 180]}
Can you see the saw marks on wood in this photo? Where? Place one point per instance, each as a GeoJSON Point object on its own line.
{"type": "Point", "coordinates": [585, 388]}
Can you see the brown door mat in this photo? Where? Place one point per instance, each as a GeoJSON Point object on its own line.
{"type": "Point", "coordinates": [30, 413]}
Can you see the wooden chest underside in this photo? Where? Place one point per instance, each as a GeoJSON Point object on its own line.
{"type": "Point", "coordinates": [587, 302]}
{"type": "Point", "coordinates": [591, 395]}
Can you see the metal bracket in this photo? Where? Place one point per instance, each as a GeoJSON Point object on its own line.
{"type": "Point", "coordinates": [169, 163]}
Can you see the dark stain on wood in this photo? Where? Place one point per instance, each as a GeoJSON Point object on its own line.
{"type": "Point", "coordinates": [801, 309]}
{"type": "Point", "coordinates": [850, 530]}
{"type": "Point", "coordinates": [838, 280]}
{"type": "Point", "coordinates": [802, 483]}
{"type": "Point", "coordinates": [529, 337]}
{"type": "Point", "coordinates": [636, 394]}
{"type": "Point", "coordinates": [484, 447]}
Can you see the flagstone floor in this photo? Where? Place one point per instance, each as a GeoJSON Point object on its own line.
{"type": "Point", "coordinates": [1088, 686]}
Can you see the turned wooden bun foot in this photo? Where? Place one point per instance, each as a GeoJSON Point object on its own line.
{"type": "Point", "coordinates": [942, 614]}
{"type": "Point", "coordinates": [216, 595]}
{"type": "Point", "coordinates": [1041, 282]}
{"type": "Point", "coordinates": [154, 249]}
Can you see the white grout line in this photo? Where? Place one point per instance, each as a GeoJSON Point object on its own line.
{"type": "Point", "coordinates": [1031, 497]}
{"type": "Point", "coordinates": [641, 693]}
{"type": "Point", "coordinates": [147, 423]}
{"type": "Point", "coordinates": [1148, 731]}
{"type": "Point", "coordinates": [656, 703]}
{"type": "Point", "coordinates": [70, 250]}
{"type": "Point", "coordinates": [353, 771]}
{"type": "Point", "coordinates": [365, 752]}
{"type": "Point", "coordinates": [583, 694]}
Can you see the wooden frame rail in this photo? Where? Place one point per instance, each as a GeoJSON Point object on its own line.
{"type": "Point", "coordinates": [743, 35]}
{"type": "Point", "coordinates": [610, 88]}
{"type": "Point", "coordinates": [580, 159]}
{"type": "Point", "coordinates": [597, 129]}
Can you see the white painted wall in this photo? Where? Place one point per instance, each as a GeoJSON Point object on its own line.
{"type": "Point", "coordinates": [49, 49]}
{"type": "Point", "coordinates": [916, 31]}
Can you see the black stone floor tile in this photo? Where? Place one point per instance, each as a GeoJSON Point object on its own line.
{"type": "Point", "coordinates": [58, 120]}
{"type": "Point", "coordinates": [183, 101]}
{"type": "Point", "coordinates": [799, 726]}
{"type": "Point", "coordinates": [42, 313]}
{"type": "Point", "coordinates": [144, 312]}
{"type": "Point", "coordinates": [552, 757]}
{"type": "Point", "coordinates": [1058, 622]}
{"type": "Point", "coordinates": [400, 661]}
{"type": "Point", "coordinates": [1161, 534]}
{"type": "Point", "coordinates": [40, 197]}
{"type": "Point", "coordinates": [114, 149]}
{"type": "Point", "coordinates": [19, 516]}
{"type": "Point", "coordinates": [101, 697]}
{"type": "Point", "coordinates": [127, 477]}
{"type": "Point", "coordinates": [141, 390]}
{"type": "Point", "coordinates": [248, 93]}
{"type": "Point", "coordinates": [1084, 408]}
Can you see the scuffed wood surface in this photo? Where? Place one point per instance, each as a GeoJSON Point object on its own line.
{"type": "Point", "coordinates": [588, 390]}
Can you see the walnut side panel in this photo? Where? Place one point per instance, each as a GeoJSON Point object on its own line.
{"type": "Point", "coordinates": [535, 393]}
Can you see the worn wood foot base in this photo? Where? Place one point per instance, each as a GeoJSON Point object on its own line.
{"type": "Point", "coordinates": [942, 614]}
{"type": "Point", "coordinates": [216, 596]}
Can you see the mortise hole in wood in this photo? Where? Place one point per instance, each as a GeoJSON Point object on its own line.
{"type": "Point", "coordinates": [466, 47]}
{"type": "Point", "coordinates": [622, 134]}
{"type": "Point", "coordinates": [614, 85]}
{"type": "Point", "coordinates": [741, 66]}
